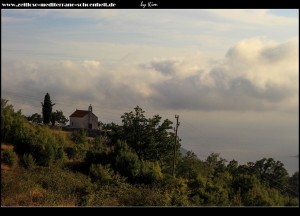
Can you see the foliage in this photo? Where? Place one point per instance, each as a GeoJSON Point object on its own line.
{"type": "Point", "coordinates": [141, 195]}
{"type": "Point", "coordinates": [150, 172]}
{"type": "Point", "coordinates": [7, 114]}
{"type": "Point", "coordinates": [150, 138]}
{"type": "Point", "coordinates": [47, 109]}
{"type": "Point", "coordinates": [293, 188]}
{"type": "Point", "coordinates": [127, 162]}
{"type": "Point", "coordinates": [189, 166]}
{"type": "Point", "coordinates": [58, 116]}
{"type": "Point", "coordinates": [99, 143]}
{"type": "Point", "coordinates": [39, 141]}
{"type": "Point", "coordinates": [44, 187]}
{"type": "Point", "coordinates": [95, 157]}
{"type": "Point", "coordinates": [130, 166]}
{"type": "Point", "coordinates": [267, 170]}
{"type": "Point", "coordinates": [80, 151]}
{"type": "Point", "coordinates": [176, 191]}
{"type": "Point", "coordinates": [100, 173]}
{"type": "Point", "coordinates": [53, 119]}
{"type": "Point", "coordinates": [35, 118]}
{"type": "Point", "coordinates": [8, 157]}
{"type": "Point", "coordinates": [79, 137]}
{"type": "Point", "coordinates": [28, 161]}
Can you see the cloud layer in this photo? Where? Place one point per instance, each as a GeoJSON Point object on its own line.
{"type": "Point", "coordinates": [255, 74]}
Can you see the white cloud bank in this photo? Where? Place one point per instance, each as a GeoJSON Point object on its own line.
{"type": "Point", "coordinates": [255, 74]}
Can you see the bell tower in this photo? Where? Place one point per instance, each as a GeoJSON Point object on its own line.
{"type": "Point", "coordinates": [90, 117]}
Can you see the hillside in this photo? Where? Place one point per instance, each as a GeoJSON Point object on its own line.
{"type": "Point", "coordinates": [130, 166]}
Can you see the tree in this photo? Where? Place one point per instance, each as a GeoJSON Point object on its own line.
{"type": "Point", "coordinates": [7, 112]}
{"type": "Point", "coordinates": [134, 125]}
{"type": "Point", "coordinates": [36, 118]}
{"type": "Point", "coordinates": [293, 189]}
{"type": "Point", "coordinates": [189, 166]}
{"type": "Point", "coordinates": [58, 115]}
{"type": "Point", "coordinates": [150, 138]}
{"type": "Point", "coordinates": [271, 172]}
{"type": "Point", "coordinates": [47, 109]}
{"type": "Point", "coordinates": [53, 119]}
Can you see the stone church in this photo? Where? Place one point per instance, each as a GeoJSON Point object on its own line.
{"type": "Point", "coordinates": [84, 119]}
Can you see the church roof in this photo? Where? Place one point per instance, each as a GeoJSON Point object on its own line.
{"type": "Point", "coordinates": [79, 113]}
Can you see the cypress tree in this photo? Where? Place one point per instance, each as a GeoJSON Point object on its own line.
{"type": "Point", "coordinates": [47, 109]}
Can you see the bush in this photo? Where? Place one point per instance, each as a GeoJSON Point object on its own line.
{"type": "Point", "coordinates": [9, 157]}
{"type": "Point", "coordinates": [28, 161]}
{"type": "Point", "coordinates": [101, 174]}
{"type": "Point", "coordinates": [128, 164]}
{"type": "Point", "coordinates": [80, 151]}
{"type": "Point", "coordinates": [79, 137]}
{"type": "Point", "coordinates": [150, 172]}
{"type": "Point", "coordinates": [44, 154]}
{"type": "Point", "coordinates": [99, 143]}
{"type": "Point", "coordinates": [95, 157]}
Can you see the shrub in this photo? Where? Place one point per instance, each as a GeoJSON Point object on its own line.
{"type": "Point", "coordinates": [99, 143]}
{"type": "Point", "coordinates": [28, 161]}
{"type": "Point", "coordinates": [80, 151]}
{"type": "Point", "coordinates": [101, 174]}
{"type": "Point", "coordinates": [79, 137]}
{"type": "Point", "coordinates": [150, 172]}
{"type": "Point", "coordinates": [9, 157]}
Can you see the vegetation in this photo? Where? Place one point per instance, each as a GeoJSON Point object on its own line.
{"type": "Point", "coordinates": [47, 109]}
{"type": "Point", "coordinates": [35, 118]}
{"type": "Point", "coordinates": [59, 117]}
{"type": "Point", "coordinates": [129, 166]}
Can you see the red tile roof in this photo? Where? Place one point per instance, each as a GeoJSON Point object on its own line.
{"type": "Point", "coordinates": [79, 113]}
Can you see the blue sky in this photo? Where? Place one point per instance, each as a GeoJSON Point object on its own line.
{"type": "Point", "coordinates": [222, 71]}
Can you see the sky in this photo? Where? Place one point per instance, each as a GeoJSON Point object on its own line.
{"type": "Point", "coordinates": [232, 76]}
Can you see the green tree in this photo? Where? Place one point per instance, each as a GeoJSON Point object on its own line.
{"type": "Point", "coordinates": [36, 118]}
{"type": "Point", "coordinates": [47, 109]}
{"type": "Point", "coordinates": [134, 125]}
{"type": "Point", "coordinates": [127, 161]}
{"type": "Point", "coordinates": [53, 119]}
{"type": "Point", "coordinates": [59, 117]}
{"type": "Point", "coordinates": [7, 113]}
{"type": "Point", "coordinates": [150, 172]}
{"type": "Point", "coordinates": [271, 172]}
{"type": "Point", "coordinates": [233, 167]}
{"type": "Point", "coordinates": [216, 164]}
{"type": "Point", "coordinates": [293, 188]}
{"type": "Point", "coordinates": [189, 167]}
{"type": "Point", "coordinates": [150, 138]}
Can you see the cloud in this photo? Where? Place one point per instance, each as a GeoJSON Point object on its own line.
{"type": "Point", "coordinates": [91, 65]}
{"type": "Point", "coordinates": [255, 74]}
{"type": "Point", "coordinates": [166, 67]}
